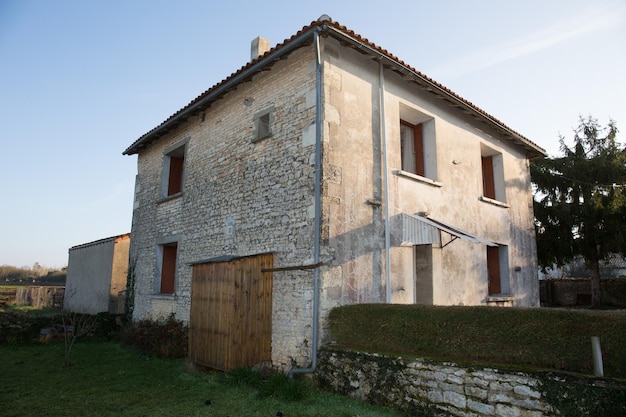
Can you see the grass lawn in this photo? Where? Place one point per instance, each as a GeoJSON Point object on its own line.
{"type": "Point", "coordinates": [108, 379]}
{"type": "Point", "coordinates": [521, 338]}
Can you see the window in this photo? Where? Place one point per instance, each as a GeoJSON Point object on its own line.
{"type": "Point", "coordinates": [418, 150]}
{"type": "Point", "coordinates": [168, 267]}
{"type": "Point", "coordinates": [492, 175]}
{"type": "Point", "coordinates": [263, 124]}
{"type": "Point", "coordinates": [498, 270]}
{"type": "Point", "coordinates": [489, 190]}
{"type": "Point", "coordinates": [423, 289]}
{"type": "Point", "coordinates": [173, 171]}
{"type": "Point", "coordinates": [412, 148]}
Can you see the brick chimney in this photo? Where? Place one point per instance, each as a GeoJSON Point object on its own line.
{"type": "Point", "coordinates": [258, 47]}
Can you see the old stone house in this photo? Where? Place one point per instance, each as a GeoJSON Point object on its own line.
{"type": "Point", "coordinates": [325, 171]}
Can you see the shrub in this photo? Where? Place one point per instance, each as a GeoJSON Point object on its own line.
{"type": "Point", "coordinates": [18, 328]}
{"type": "Point", "coordinates": [165, 338]}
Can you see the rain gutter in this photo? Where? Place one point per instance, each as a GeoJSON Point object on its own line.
{"type": "Point", "coordinates": [318, 208]}
{"type": "Point", "coordinates": [383, 135]}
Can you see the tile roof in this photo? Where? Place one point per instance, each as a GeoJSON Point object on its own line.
{"type": "Point", "coordinates": [304, 37]}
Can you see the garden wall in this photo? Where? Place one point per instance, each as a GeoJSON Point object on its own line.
{"type": "Point", "coordinates": [431, 388]}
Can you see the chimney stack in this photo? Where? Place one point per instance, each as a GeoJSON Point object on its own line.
{"type": "Point", "coordinates": [259, 46]}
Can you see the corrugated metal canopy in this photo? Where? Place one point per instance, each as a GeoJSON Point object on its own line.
{"type": "Point", "coordinates": [420, 230]}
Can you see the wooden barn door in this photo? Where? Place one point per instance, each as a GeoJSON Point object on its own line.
{"type": "Point", "coordinates": [231, 313]}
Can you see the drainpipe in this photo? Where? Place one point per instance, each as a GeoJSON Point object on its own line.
{"type": "Point", "coordinates": [317, 207]}
{"type": "Point", "coordinates": [383, 135]}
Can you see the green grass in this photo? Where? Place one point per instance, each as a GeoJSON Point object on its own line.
{"type": "Point", "coordinates": [107, 379]}
{"type": "Point", "coordinates": [31, 311]}
{"type": "Point", "coordinates": [523, 338]}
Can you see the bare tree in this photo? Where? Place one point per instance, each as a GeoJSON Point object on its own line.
{"type": "Point", "coordinates": [75, 325]}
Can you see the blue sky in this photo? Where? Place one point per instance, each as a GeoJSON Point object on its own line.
{"type": "Point", "coordinates": [82, 80]}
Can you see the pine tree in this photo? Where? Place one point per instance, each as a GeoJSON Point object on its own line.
{"type": "Point", "coordinates": [580, 200]}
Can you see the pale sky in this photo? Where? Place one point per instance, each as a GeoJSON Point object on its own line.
{"type": "Point", "coordinates": [81, 80]}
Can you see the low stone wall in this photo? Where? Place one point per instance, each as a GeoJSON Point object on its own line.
{"type": "Point", "coordinates": [430, 388]}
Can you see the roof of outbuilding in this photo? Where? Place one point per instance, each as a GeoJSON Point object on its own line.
{"type": "Point", "coordinates": [114, 239]}
{"type": "Point", "coordinates": [304, 37]}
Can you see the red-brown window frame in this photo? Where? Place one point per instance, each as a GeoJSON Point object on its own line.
{"type": "Point", "coordinates": [493, 270]}
{"type": "Point", "coordinates": [418, 147]}
{"type": "Point", "coordinates": [489, 187]}
{"type": "Point", "coordinates": [175, 177]}
{"type": "Point", "coordinates": [168, 268]}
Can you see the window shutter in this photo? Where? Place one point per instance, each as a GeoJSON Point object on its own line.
{"type": "Point", "coordinates": [493, 269]}
{"type": "Point", "coordinates": [168, 269]}
{"type": "Point", "coordinates": [489, 189]}
{"type": "Point", "coordinates": [418, 149]}
{"type": "Point", "coordinates": [175, 183]}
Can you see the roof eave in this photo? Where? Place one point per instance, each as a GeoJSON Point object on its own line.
{"type": "Point", "coordinates": [298, 40]}
{"type": "Point", "coordinates": [218, 91]}
{"type": "Point", "coordinates": [532, 150]}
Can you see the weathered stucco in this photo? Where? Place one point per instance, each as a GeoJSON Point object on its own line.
{"type": "Point", "coordinates": [356, 228]}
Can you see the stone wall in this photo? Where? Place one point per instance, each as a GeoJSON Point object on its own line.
{"type": "Point", "coordinates": [241, 196]}
{"type": "Point", "coordinates": [426, 387]}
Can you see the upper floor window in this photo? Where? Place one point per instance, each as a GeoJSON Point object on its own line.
{"type": "Point", "coordinates": [173, 171]}
{"type": "Point", "coordinates": [412, 148]}
{"type": "Point", "coordinates": [489, 188]}
{"type": "Point", "coordinates": [417, 143]}
{"type": "Point", "coordinates": [492, 174]}
{"type": "Point", "coordinates": [263, 124]}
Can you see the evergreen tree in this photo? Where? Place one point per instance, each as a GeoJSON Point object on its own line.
{"type": "Point", "coordinates": [580, 200]}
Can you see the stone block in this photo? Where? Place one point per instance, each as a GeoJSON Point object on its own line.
{"type": "Point", "coordinates": [455, 399]}
{"type": "Point", "coordinates": [508, 411]}
{"type": "Point", "coordinates": [526, 391]}
{"type": "Point", "coordinates": [476, 392]}
{"type": "Point", "coordinates": [481, 408]}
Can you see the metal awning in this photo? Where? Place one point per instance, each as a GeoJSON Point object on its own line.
{"type": "Point", "coordinates": [420, 230]}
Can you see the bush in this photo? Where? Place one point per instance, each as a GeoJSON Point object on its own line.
{"type": "Point", "coordinates": [165, 338]}
{"type": "Point", "coordinates": [18, 328]}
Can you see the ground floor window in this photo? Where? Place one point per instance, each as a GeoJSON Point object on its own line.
{"type": "Point", "coordinates": [168, 254]}
{"type": "Point", "coordinates": [498, 270]}
{"type": "Point", "coordinates": [423, 293]}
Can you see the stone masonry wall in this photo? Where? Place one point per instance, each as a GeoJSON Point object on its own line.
{"type": "Point", "coordinates": [439, 388]}
{"type": "Point", "coordinates": [240, 197]}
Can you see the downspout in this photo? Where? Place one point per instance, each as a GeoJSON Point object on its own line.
{"type": "Point", "coordinates": [318, 208]}
{"type": "Point", "coordinates": [383, 135]}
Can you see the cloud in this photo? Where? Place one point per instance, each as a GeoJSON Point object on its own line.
{"type": "Point", "coordinates": [585, 22]}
